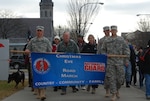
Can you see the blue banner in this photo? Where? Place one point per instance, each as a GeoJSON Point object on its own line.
{"type": "Point", "coordinates": [67, 69]}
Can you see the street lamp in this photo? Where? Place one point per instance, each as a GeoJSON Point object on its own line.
{"type": "Point", "coordinates": [143, 14]}
{"type": "Point", "coordinates": [81, 10]}
{"type": "Point", "coordinates": [59, 29]}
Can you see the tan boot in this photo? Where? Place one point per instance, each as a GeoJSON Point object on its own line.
{"type": "Point", "coordinates": [38, 94]}
{"type": "Point", "coordinates": [117, 94]}
{"type": "Point", "coordinates": [107, 93]}
{"type": "Point", "coordinates": [42, 94]}
{"type": "Point", "coordinates": [35, 91]}
{"type": "Point", "coordinates": [113, 97]}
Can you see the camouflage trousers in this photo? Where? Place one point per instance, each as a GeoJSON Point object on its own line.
{"type": "Point", "coordinates": [114, 77]}
{"type": "Point", "coordinates": [106, 83]}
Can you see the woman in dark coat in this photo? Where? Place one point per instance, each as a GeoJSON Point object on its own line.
{"type": "Point", "coordinates": [140, 65]}
{"type": "Point", "coordinates": [90, 47]}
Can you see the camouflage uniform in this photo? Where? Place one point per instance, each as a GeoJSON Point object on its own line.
{"type": "Point", "coordinates": [115, 65]}
{"type": "Point", "coordinates": [40, 45]}
{"type": "Point", "coordinates": [100, 42]}
{"type": "Point", "coordinates": [99, 46]}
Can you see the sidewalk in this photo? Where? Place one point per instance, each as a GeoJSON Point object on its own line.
{"type": "Point", "coordinates": [127, 94]}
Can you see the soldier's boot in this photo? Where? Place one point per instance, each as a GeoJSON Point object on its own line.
{"type": "Point", "coordinates": [35, 91]}
{"type": "Point", "coordinates": [38, 93]}
{"type": "Point", "coordinates": [117, 94]}
{"type": "Point", "coordinates": [113, 97]}
{"type": "Point", "coordinates": [107, 93]}
{"type": "Point", "coordinates": [43, 95]}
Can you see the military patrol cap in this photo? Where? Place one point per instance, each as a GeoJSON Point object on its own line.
{"type": "Point", "coordinates": [40, 28]}
{"type": "Point", "coordinates": [113, 27]}
{"type": "Point", "coordinates": [106, 28]}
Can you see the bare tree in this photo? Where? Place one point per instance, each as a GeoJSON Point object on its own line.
{"type": "Point", "coordinates": [144, 24]}
{"type": "Point", "coordinates": [7, 14]}
{"type": "Point", "coordinates": [59, 30]}
{"type": "Point", "coordinates": [9, 24]}
{"type": "Point", "coordinates": [82, 13]}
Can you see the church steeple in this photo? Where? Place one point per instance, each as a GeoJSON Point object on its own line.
{"type": "Point", "coordinates": [46, 9]}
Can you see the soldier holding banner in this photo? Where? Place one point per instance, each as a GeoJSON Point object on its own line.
{"type": "Point", "coordinates": [67, 46]}
{"type": "Point", "coordinates": [106, 31]}
{"type": "Point", "coordinates": [115, 73]}
{"type": "Point", "coordinates": [39, 44]}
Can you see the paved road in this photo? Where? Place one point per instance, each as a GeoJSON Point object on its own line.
{"type": "Point", "coordinates": [127, 94]}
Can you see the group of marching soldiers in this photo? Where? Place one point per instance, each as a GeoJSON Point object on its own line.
{"type": "Point", "coordinates": [109, 45]}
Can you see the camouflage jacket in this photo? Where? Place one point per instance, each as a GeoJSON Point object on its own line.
{"type": "Point", "coordinates": [100, 42]}
{"type": "Point", "coordinates": [39, 45]}
{"type": "Point", "coordinates": [116, 46]}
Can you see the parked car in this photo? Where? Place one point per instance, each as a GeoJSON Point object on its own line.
{"type": "Point", "coordinates": [17, 61]}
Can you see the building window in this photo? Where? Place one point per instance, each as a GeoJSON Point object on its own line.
{"type": "Point", "coordinates": [41, 14]}
{"type": "Point", "coordinates": [45, 13]}
{"type": "Point", "coordinates": [50, 13]}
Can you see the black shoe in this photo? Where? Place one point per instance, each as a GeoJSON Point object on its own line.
{"type": "Point", "coordinates": [148, 97]}
{"type": "Point", "coordinates": [127, 86]}
{"type": "Point", "coordinates": [55, 89]}
{"type": "Point", "coordinates": [74, 90]}
{"type": "Point", "coordinates": [88, 88]}
{"type": "Point", "coordinates": [59, 87]}
{"type": "Point", "coordinates": [93, 91]}
{"type": "Point", "coordinates": [63, 93]}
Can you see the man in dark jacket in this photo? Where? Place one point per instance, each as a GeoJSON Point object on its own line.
{"type": "Point", "coordinates": [133, 65]}
{"type": "Point", "coordinates": [28, 65]}
{"type": "Point", "coordinates": [146, 69]}
{"type": "Point", "coordinates": [67, 46]}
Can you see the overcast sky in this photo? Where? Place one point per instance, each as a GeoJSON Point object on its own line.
{"type": "Point", "coordinates": [114, 12]}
